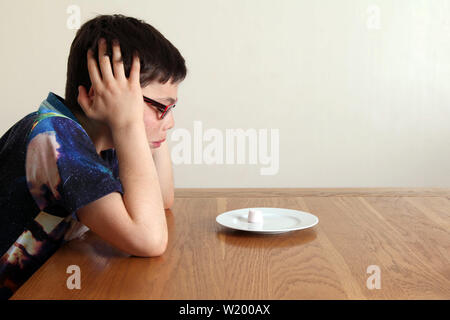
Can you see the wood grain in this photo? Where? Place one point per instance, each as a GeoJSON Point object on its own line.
{"type": "Point", "coordinates": [309, 192]}
{"type": "Point", "coordinates": [407, 236]}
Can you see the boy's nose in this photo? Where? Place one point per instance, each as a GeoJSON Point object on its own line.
{"type": "Point", "coordinates": [168, 121]}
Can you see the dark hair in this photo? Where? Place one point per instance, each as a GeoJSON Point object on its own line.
{"type": "Point", "coordinates": [159, 59]}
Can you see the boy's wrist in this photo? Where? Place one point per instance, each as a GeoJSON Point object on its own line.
{"type": "Point", "coordinates": [120, 129]}
{"type": "Point", "coordinates": [127, 132]}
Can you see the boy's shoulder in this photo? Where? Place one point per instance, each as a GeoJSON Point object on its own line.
{"type": "Point", "coordinates": [63, 131]}
{"type": "Point", "coordinates": [55, 117]}
{"type": "Point", "coordinates": [57, 123]}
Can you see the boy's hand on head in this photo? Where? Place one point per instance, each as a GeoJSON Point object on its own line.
{"type": "Point", "coordinates": [117, 101]}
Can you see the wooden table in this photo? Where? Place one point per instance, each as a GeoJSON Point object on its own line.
{"type": "Point", "coordinates": [405, 232]}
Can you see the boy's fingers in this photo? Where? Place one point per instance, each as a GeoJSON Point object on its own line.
{"type": "Point", "coordinates": [119, 72]}
{"type": "Point", "coordinates": [105, 63]}
{"type": "Point", "coordinates": [135, 69]}
{"type": "Point", "coordinates": [94, 74]}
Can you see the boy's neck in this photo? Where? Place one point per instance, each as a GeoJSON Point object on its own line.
{"type": "Point", "coordinates": [99, 133]}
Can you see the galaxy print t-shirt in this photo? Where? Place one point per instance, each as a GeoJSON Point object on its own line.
{"type": "Point", "coordinates": [49, 169]}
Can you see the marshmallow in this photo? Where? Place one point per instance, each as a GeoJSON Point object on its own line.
{"type": "Point", "coordinates": [255, 216]}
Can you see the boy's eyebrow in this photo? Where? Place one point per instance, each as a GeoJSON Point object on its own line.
{"type": "Point", "coordinates": [168, 99]}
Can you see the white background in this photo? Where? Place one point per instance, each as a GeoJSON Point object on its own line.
{"type": "Point", "coordinates": [356, 106]}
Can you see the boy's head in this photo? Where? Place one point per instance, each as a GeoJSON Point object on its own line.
{"type": "Point", "coordinates": [160, 61]}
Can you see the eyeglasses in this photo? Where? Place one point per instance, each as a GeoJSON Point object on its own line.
{"type": "Point", "coordinates": [161, 107]}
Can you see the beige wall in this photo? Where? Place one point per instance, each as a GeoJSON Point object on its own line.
{"type": "Point", "coordinates": [358, 90]}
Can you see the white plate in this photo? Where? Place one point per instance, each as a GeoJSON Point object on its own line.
{"type": "Point", "coordinates": [275, 220]}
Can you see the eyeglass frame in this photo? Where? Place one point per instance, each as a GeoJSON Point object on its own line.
{"type": "Point", "coordinates": [161, 107]}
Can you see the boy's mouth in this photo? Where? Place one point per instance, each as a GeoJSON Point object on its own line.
{"type": "Point", "coordinates": [157, 143]}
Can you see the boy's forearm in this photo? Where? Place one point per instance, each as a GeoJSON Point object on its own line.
{"type": "Point", "coordinates": [137, 171]}
{"type": "Point", "coordinates": [163, 164]}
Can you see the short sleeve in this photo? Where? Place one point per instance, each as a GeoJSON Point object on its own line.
{"type": "Point", "coordinates": [63, 170]}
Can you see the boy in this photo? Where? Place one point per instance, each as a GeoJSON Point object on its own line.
{"type": "Point", "coordinates": [98, 156]}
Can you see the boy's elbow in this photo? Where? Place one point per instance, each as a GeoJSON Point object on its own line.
{"type": "Point", "coordinates": [155, 248]}
{"type": "Point", "coordinates": [147, 244]}
{"type": "Point", "coordinates": [160, 248]}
